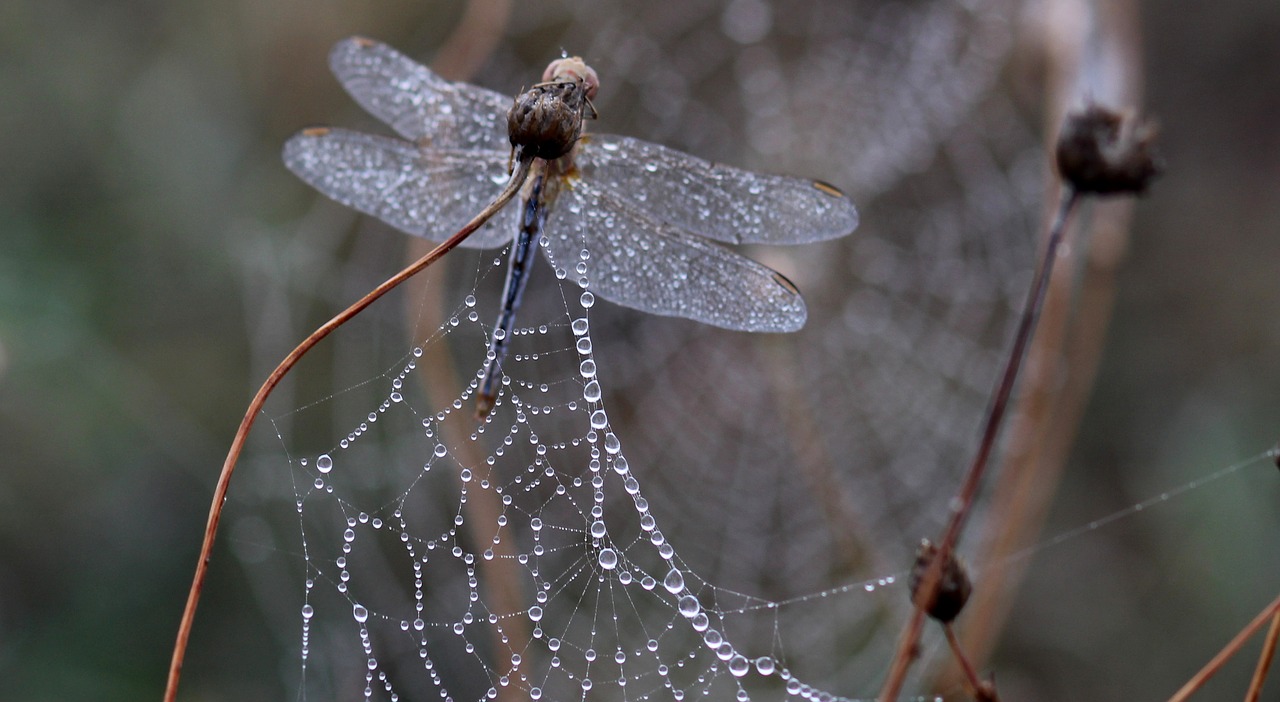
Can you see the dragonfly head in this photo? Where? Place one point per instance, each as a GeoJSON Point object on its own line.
{"type": "Point", "coordinates": [572, 69]}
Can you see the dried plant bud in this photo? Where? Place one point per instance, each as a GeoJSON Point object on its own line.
{"type": "Point", "coordinates": [953, 585]}
{"type": "Point", "coordinates": [546, 120]}
{"type": "Point", "coordinates": [1105, 152]}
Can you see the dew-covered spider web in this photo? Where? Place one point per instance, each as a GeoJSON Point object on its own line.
{"type": "Point", "coordinates": [450, 558]}
{"type": "Point", "coordinates": [655, 509]}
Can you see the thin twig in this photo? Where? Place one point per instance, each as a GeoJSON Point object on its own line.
{"type": "Point", "coordinates": [1102, 40]}
{"type": "Point", "coordinates": [1213, 666]}
{"type": "Point", "coordinates": [1264, 660]}
{"type": "Point", "coordinates": [981, 690]}
{"type": "Point", "coordinates": [908, 644]}
{"type": "Point", "coordinates": [251, 414]}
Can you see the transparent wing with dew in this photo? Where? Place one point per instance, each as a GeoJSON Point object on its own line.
{"type": "Point", "coordinates": [420, 105]}
{"type": "Point", "coordinates": [713, 200]}
{"type": "Point", "coordinates": [639, 262]}
{"type": "Point", "coordinates": [429, 192]}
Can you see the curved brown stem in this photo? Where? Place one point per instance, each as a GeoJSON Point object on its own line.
{"type": "Point", "coordinates": [251, 414]}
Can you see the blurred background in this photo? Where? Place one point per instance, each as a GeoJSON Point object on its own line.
{"type": "Point", "coordinates": [156, 260]}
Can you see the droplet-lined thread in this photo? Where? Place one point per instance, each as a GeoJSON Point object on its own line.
{"type": "Point", "coordinates": [608, 604]}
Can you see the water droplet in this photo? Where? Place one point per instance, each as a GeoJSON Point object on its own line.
{"type": "Point", "coordinates": [599, 420]}
{"type": "Point", "coordinates": [608, 558]}
{"type": "Point", "coordinates": [689, 606]}
{"type": "Point", "coordinates": [591, 393]}
{"type": "Point", "coordinates": [597, 529]}
{"type": "Point", "coordinates": [324, 463]}
{"type": "Point", "coordinates": [535, 613]}
{"type": "Point", "coordinates": [765, 665]}
{"type": "Point", "coordinates": [725, 651]}
{"type": "Point", "coordinates": [674, 582]}
{"type": "Point", "coordinates": [360, 613]}
{"type": "Point", "coordinates": [584, 345]}
{"type": "Point", "coordinates": [739, 666]}
{"type": "Point", "coordinates": [587, 300]}
{"type": "Point", "coordinates": [308, 611]}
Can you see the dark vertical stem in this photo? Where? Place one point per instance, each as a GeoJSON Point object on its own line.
{"type": "Point", "coordinates": [910, 640]}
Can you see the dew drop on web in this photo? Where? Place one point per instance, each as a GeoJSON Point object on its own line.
{"type": "Point", "coordinates": [689, 606]}
{"type": "Point", "coordinates": [608, 558]}
{"type": "Point", "coordinates": [674, 582]}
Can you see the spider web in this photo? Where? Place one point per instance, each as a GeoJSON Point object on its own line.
{"type": "Point", "coordinates": [552, 509]}
{"type": "Point", "coordinates": [659, 508]}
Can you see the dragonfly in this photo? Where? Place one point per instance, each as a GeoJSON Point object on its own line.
{"type": "Point", "coordinates": [639, 224]}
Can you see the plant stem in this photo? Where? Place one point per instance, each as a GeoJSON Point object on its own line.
{"type": "Point", "coordinates": [1264, 660]}
{"type": "Point", "coordinates": [1212, 667]}
{"type": "Point", "coordinates": [907, 645]}
{"type": "Point", "coordinates": [251, 413]}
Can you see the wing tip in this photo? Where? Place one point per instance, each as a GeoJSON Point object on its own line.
{"type": "Point", "coordinates": [828, 188]}
{"type": "Point", "coordinates": [798, 312]}
{"type": "Point", "coordinates": [345, 49]}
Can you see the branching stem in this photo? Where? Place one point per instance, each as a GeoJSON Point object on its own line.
{"type": "Point", "coordinates": [909, 642]}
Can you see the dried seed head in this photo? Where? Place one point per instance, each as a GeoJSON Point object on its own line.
{"type": "Point", "coordinates": [953, 585]}
{"type": "Point", "coordinates": [546, 120]}
{"type": "Point", "coordinates": [1104, 152]}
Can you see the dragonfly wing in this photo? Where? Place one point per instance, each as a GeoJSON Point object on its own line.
{"type": "Point", "coordinates": [425, 191]}
{"type": "Point", "coordinates": [639, 262]}
{"type": "Point", "coordinates": [713, 200]}
{"type": "Point", "coordinates": [418, 104]}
